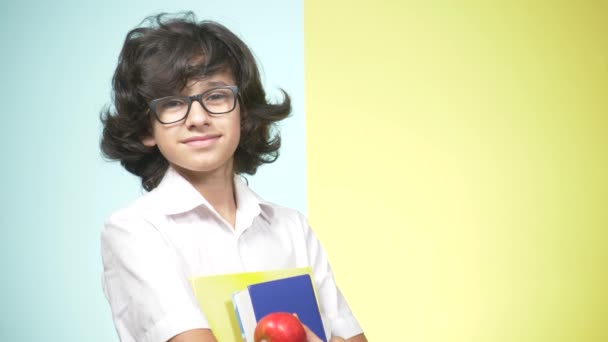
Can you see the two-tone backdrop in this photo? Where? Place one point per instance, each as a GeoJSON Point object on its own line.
{"type": "Point", "coordinates": [451, 156]}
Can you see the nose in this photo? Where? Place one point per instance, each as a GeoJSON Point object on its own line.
{"type": "Point", "coordinates": [198, 115]}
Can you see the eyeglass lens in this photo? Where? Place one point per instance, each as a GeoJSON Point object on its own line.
{"type": "Point", "coordinates": [214, 101]}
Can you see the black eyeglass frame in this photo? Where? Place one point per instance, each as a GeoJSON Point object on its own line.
{"type": "Point", "coordinates": [198, 97]}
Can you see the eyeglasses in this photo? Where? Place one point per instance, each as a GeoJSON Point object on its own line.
{"type": "Point", "coordinates": [172, 109]}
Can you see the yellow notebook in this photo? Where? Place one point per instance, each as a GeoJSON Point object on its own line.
{"type": "Point", "coordinates": [214, 295]}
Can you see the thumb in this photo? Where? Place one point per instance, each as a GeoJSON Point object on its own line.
{"type": "Point", "coordinates": [310, 336]}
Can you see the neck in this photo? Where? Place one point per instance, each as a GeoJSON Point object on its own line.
{"type": "Point", "coordinates": [218, 189]}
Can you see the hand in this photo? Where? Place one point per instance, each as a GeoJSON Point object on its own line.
{"type": "Point", "coordinates": [311, 337]}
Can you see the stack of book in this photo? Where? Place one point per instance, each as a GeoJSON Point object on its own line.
{"type": "Point", "coordinates": [233, 303]}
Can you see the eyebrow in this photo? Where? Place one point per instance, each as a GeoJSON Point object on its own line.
{"type": "Point", "coordinates": [217, 83]}
{"type": "Point", "coordinates": [207, 84]}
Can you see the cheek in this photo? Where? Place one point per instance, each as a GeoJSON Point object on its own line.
{"type": "Point", "coordinates": [236, 139]}
{"type": "Point", "coordinates": [236, 128]}
{"type": "Point", "coordinates": [164, 138]}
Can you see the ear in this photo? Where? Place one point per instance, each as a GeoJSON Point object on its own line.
{"type": "Point", "coordinates": [148, 140]}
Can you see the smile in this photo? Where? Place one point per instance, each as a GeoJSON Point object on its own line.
{"type": "Point", "coordinates": [202, 141]}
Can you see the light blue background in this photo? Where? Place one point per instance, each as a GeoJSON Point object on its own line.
{"type": "Point", "coordinates": [56, 65]}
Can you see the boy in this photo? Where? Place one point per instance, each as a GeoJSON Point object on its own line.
{"type": "Point", "coordinates": [190, 115]}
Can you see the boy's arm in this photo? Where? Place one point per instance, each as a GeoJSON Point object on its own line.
{"type": "Point", "coordinates": [145, 283]}
{"type": "Point", "coordinates": [358, 338]}
{"type": "Point", "coordinates": [196, 335]}
{"type": "Point", "coordinates": [311, 337]}
{"type": "Point", "coordinates": [331, 301]}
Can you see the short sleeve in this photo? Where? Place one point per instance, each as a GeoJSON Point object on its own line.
{"type": "Point", "coordinates": [334, 307]}
{"type": "Point", "coordinates": [149, 295]}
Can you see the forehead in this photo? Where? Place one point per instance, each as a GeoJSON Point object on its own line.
{"type": "Point", "coordinates": [217, 79]}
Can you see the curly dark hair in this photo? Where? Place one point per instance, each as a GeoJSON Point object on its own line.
{"type": "Point", "coordinates": [158, 58]}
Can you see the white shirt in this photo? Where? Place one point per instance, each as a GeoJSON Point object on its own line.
{"type": "Point", "coordinates": [151, 248]}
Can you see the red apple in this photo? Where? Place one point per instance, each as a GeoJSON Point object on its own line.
{"type": "Point", "coordinates": [279, 327]}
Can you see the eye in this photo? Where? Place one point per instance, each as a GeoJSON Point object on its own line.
{"type": "Point", "coordinates": [218, 95]}
{"type": "Point", "coordinates": [173, 103]}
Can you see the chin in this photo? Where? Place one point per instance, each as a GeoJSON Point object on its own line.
{"type": "Point", "coordinates": [206, 168]}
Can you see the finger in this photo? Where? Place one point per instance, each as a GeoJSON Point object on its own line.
{"type": "Point", "coordinates": [310, 336]}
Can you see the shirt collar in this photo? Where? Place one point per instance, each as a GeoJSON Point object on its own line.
{"type": "Point", "coordinates": [175, 195]}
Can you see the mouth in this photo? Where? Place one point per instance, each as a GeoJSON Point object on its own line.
{"type": "Point", "coordinates": [202, 140]}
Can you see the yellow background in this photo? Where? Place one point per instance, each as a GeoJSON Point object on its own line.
{"type": "Point", "coordinates": [457, 165]}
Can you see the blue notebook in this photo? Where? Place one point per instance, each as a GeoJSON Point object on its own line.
{"type": "Point", "coordinates": [294, 295]}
